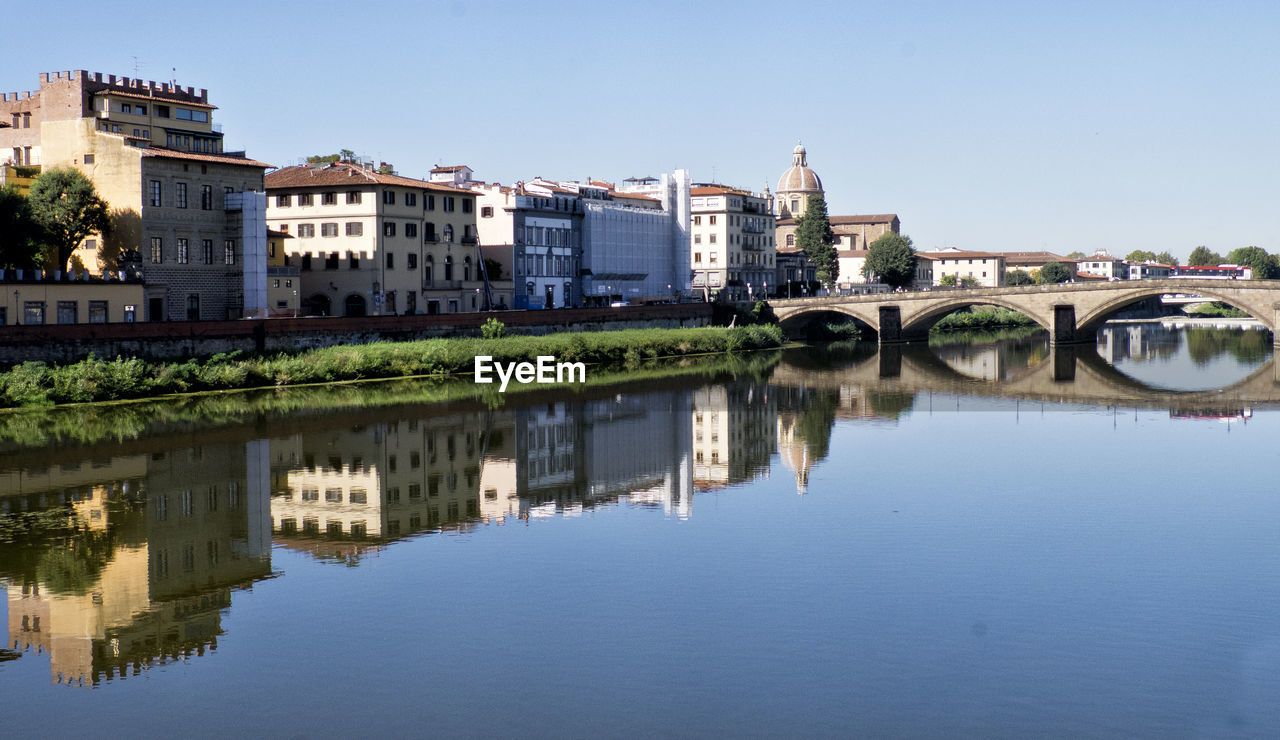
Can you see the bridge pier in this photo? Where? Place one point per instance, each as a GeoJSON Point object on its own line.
{"type": "Point", "coordinates": [1063, 330]}
{"type": "Point", "coordinates": [1064, 363]}
{"type": "Point", "coordinates": [891, 331]}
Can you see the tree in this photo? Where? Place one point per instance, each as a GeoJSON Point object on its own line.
{"type": "Point", "coordinates": [1201, 256]}
{"type": "Point", "coordinates": [947, 281]}
{"type": "Point", "coordinates": [1265, 266]}
{"type": "Point", "coordinates": [815, 238]}
{"type": "Point", "coordinates": [322, 159]}
{"type": "Point", "coordinates": [1140, 255]}
{"type": "Point", "coordinates": [1053, 272]}
{"type": "Point", "coordinates": [968, 281]}
{"type": "Point", "coordinates": [1018, 277]}
{"type": "Point", "coordinates": [1165, 258]}
{"type": "Point", "coordinates": [1076, 255]}
{"type": "Point", "coordinates": [66, 207]}
{"type": "Point", "coordinates": [492, 269]}
{"type": "Point", "coordinates": [18, 232]}
{"type": "Point", "coordinates": [891, 259]}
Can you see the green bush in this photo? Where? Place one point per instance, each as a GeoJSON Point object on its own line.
{"type": "Point", "coordinates": [493, 329]}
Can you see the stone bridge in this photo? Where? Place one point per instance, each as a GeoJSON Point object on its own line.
{"type": "Point", "coordinates": [1072, 312]}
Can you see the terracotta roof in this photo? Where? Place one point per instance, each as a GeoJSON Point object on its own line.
{"type": "Point", "coordinates": [852, 253]}
{"type": "Point", "coordinates": [1090, 276]}
{"type": "Point", "coordinates": [880, 218]}
{"type": "Point", "coordinates": [1030, 258]}
{"type": "Point", "coordinates": [601, 184]}
{"type": "Point", "coordinates": [717, 190]}
{"type": "Point", "coordinates": [342, 174]}
{"type": "Point", "coordinates": [632, 196]}
{"type": "Point", "coordinates": [961, 254]}
{"type": "Point", "coordinates": [451, 168]}
{"type": "Point", "coordinates": [218, 158]}
{"type": "Point", "coordinates": [159, 98]}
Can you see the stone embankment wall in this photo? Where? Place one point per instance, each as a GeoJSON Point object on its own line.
{"type": "Point", "coordinates": [180, 340]}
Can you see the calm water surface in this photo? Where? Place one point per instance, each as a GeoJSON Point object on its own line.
{"type": "Point", "coordinates": [990, 539]}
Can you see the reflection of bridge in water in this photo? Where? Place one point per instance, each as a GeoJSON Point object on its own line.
{"type": "Point", "coordinates": [1060, 374]}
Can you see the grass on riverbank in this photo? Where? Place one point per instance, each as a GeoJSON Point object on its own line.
{"type": "Point", "coordinates": [986, 317]}
{"type": "Point", "coordinates": [1217, 310]}
{"type": "Point", "coordinates": [94, 379]}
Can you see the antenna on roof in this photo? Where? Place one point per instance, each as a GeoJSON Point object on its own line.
{"type": "Point", "coordinates": [137, 66]}
{"type": "Point", "coordinates": [173, 80]}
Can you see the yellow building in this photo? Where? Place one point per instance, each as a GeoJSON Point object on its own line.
{"type": "Point", "coordinates": [733, 251]}
{"type": "Point", "coordinates": [284, 280]}
{"type": "Point", "coordinates": [186, 215]}
{"type": "Point", "coordinates": [370, 243]}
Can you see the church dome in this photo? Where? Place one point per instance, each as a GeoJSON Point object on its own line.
{"type": "Point", "coordinates": [799, 179]}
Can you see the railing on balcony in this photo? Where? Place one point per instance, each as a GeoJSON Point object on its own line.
{"type": "Point", "coordinates": [471, 241]}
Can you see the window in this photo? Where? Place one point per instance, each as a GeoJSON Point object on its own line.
{"type": "Point", "coordinates": [88, 159]}
{"type": "Point", "coordinates": [697, 256]}
{"type": "Point", "coordinates": [183, 251]}
{"type": "Point", "coordinates": [448, 232]}
{"type": "Point", "coordinates": [391, 261]}
{"type": "Point", "coordinates": [448, 267]}
{"type": "Point", "coordinates": [795, 205]}
{"type": "Point", "coordinates": [206, 197]}
{"type": "Point", "coordinates": [411, 231]}
{"type": "Point", "coordinates": [353, 260]}
{"type": "Point", "coordinates": [713, 239]}
{"type": "Point", "coordinates": [389, 197]}
{"type": "Point", "coordinates": [329, 229]}
{"type": "Point", "coordinates": [229, 251]}
{"type": "Point", "coordinates": [193, 307]}
{"type": "Point", "coordinates": [353, 197]}
{"type": "Point", "coordinates": [791, 240]}
{"type": "Point", "coordinates": [411, 199]}
{"type": "Point", "coordinates": [449, 203]}
{"type": "Point", "coordinates": [486, 212]}
{"type": "Point", "coordinates": [329, 199]}
{"type": "Point", "coordinates": [429, 232]}
{"type": "Point", "coordinates": [413, 262]}
{"type": "Point", "coordinates": [697, 220]}
{"type": "Point", "coordinates": [155, 193]}
{"type": "Point", "coordinates": [306, 231]}
{"type": "Point", "coordinates": [33, 313]}
{"type": "Point", "coordinates": [284, 201]}
{"type": "Point", "coordinates": [26, 122]}
{"type": "Point", "coordinates": [389, 228]}
{"type": "Point", "coordinates": [206, 251]}
{"type": "Point", "coordinates": [468, 205]}
{"type": "Point", "coordinates": [140, 110]}
{"type": "Point", "coordinates": [304, 199]}
{"type": "Point", "coordinates": [429, 203]}
{"type": "Point", "coordinates": [355, 228]}
{"type": "Point", "coordinates": [67, 312]}
{"type": "Point", "coordinates": [157, 250]}
{"type": "Point", "coordinates": [697, 238]}
{"type": "Point", "coordinates": [97, 312]}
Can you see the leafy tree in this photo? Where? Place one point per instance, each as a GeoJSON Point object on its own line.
{"type": "Point", "coordinates": [968, 281]}
{"type": "Point", "coordinates": [18, 232]}
{"type": "Point", "coordinates": [1053, 272]}
{"type": "Point", "coordinates": [1202, 256]}
{"type": "Point", "coordinates": [1265, 266]}
{"type": "Point", "coordinates": [1077, 255]}
{"type": "Point", "coordinates": [892, 259]}
{"type": "Point", "coordinates": [492, 269]}
{"type": "Point", "coordinates": [66, 206]}
{"type": "Point", "coordinates": [1018, 277]}
{"type": "Point", "coordinates": [1165, 258]}
{"type": "Point", "coordinates": [947, 281]}
{"type": "Point", "coordinates": [322, 159]}
{"type": "Point", "coordinates": [1140, 255]}
{"type": "Point", "coordinates": [816, 239]}
{"type": "Point", "coordinates": [346, 155]}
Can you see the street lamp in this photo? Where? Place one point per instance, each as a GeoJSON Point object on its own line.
{"type": "Point", "coordinates": [748, 291]}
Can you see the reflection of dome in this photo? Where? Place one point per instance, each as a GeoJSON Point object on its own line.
{"type": "Point", "coordinates": [793, 451]}
{"type": "Point", "coordinates": [799, 179]}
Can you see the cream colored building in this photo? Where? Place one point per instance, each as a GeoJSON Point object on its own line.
{"type": "Point", "coordinates": [733, 250]}
{"type": "Point", "coordinates": [31, 302]}
{"type": "Point", "coordinates": [185, 214]}
{"type": "Point", "coordinates": [370, 243]}
{"type": "Point", "coordinates": [986, 267]}
{"type": "Point", "coordinates": [734, 434]}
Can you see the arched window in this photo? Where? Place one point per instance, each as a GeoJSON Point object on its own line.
{"type": "Point", "coordinates": [448, 267]}
{"type": "Point", "coordinates": [466, 269]}
{"type": "Point", "coordinates": [528, 288]}
{"type": "Point", "coordinates": [429, 269]}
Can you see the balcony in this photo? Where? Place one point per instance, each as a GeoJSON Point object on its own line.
{"type": "Point", "coordinates": [751, 228]}
{"type": "Point", "coordinates": [470, 241]}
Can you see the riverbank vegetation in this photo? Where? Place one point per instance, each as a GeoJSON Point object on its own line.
{"type": "Point", "coordinates": [96, 379]}
{"type": "Point", "coordinates": [982, 317]}
{"type": "Point", "coordinates": [1217, 310]}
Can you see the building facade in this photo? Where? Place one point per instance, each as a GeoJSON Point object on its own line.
{"type": "Point", "coordinates": [370, 243]}
{"type": "Point", "coordinates": [734, 249]}
{"type": "Point", "coordinates": [186, 215]}
{"type": "Point", "coordinates": [987, 268]}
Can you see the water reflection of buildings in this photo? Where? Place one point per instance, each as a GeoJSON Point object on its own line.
{"type": "Point", "coordinates": [734, 433]}
{"type": "Point", "coordinates": [1137, 342]}
{"type": "Point", "coordinates": [133, 558]}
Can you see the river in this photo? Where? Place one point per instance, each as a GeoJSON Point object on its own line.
{"type": "Point", "coordinates": [984, 537]}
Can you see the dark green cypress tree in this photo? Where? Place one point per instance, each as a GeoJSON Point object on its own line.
{"type": "Point", "coordinates": [815, 237]}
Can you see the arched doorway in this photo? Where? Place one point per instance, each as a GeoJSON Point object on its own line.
{"type": "Point", "coordinates": [355, 305]}
{"type": "Point", "coordinates": [317, 305]}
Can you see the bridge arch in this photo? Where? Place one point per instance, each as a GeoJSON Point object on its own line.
{"type": "Point", "coordinates": [795, 320]}
{"type": "Point", "coordinates": [1097, 316]}
{"type": "Point", "coordinates": [921, 321]}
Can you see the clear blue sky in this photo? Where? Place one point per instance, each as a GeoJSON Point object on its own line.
{"type": "Point", "coordinates": [1002, 126]}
